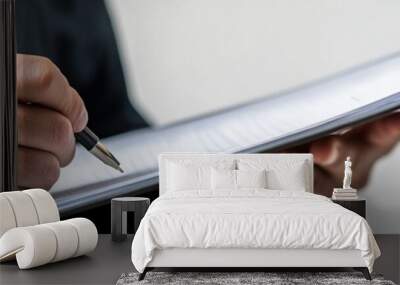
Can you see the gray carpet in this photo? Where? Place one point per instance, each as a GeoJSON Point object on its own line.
{"type": "Point", "coordinates": [268, 278]}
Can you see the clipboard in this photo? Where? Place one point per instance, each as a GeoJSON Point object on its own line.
{"type": "Point", "coordinates": [8, 100]}
{"type": "Point", "coordinates": [272, 124]}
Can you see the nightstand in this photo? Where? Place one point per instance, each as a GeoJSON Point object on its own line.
{"type": "Point", "coordinates": [119, 208]}
{"type": "Point", "coordinates": [358, 206]}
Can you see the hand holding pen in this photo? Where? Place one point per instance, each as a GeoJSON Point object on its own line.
{"type": "Point", "coordinates": [50, 113]}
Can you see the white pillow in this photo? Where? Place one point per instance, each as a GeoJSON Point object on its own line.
{"type": "Point", "coordinates": [223, 179]}
{"type": "Point", "coordinates": [193, 174]}
{"type": "Point", "coordinates": [236, 179]}
{"type": "Point", "coordinates": [185, 177]}
{"type": "Point", "coordinates": [281, 174]}
{"type": "Point", "coordinates": [251, 178]}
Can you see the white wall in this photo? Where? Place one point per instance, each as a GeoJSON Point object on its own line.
{"type": "Point", "coordinates": [383, 195]}
{"type": "Point", "coordinates": [186, 57]}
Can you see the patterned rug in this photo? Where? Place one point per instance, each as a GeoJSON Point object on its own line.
{"type": "Point", "coordinates": [268, 278]}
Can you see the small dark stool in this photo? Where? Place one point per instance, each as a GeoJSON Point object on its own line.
{"type": "Point", "coordinates": [119, 209]}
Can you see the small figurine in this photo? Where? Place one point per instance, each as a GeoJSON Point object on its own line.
{"type": "Point", "coordinates": [347, 173]}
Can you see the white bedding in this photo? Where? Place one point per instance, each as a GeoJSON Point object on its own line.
{"type": "Point", "coordinates": [250, 219]}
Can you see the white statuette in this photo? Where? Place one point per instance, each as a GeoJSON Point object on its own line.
{"type": "Point", "coordinates": [347, 173]}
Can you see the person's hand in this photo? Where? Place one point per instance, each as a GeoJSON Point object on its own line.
{"type": "Point", "coordinates": [49, 112]}
{"type": "Point", "coordinates": [365, 144]}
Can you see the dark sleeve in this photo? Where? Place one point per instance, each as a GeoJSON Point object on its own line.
{"type": "Point", "coordinates": [77, 36]}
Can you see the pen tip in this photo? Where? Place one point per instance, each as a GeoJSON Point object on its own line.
{"type": "Point", "coordinates": [120, 169]}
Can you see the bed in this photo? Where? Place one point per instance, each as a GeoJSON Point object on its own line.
{"type": "Point", "coordinates": [247, 211]}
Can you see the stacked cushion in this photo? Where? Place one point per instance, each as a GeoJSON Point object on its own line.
{"type": "Point", "coordinates": [26, 208]}
{"type": "Point", "coordinates": [7, 218]}
{"type": "Point", "coordinates": [44, 204]}
{"type": "Point", "coordinates": [41, 244]}
{"type": "Point", "coordinates": [31, 231]}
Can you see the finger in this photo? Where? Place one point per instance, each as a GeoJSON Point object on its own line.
{"type": "Point", "coordinates": [329, 153]}
{"type": "Point", "coordinates": [384, 132]}
{"type": "Point", "coordinates": [40, 81]}
{"type": "Point", "coordinates": [379, 135]}
{"type": "Point", "coordinates": [36, 169]}
{"type": "Point", "coordinates": [43, 129]}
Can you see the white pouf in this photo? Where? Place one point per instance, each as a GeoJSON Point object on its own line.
{"type": "Point", "coordinates": [7, 218]}
{"type": "Point", "coordinates": [23, 208]}
{"type": "Point", "coordinates": [37, 245]}
{"type": "Point", "coordinates": [26, 208]}
{"type": "Point", "coordinates": [45, 205]}
{"type": "Point", "coordinates": [31, 231]}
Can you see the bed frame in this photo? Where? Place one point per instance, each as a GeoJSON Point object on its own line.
{"type": "Point", "coordinates": [237, 259]}
{"type": "Point", "coordinates": [260, 259]}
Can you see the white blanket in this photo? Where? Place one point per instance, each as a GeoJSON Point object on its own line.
{"type": "Point", "coordinates": [250, 219]}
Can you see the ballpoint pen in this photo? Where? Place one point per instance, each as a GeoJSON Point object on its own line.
{"type": "Point", "coordinates": [92, 143]}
